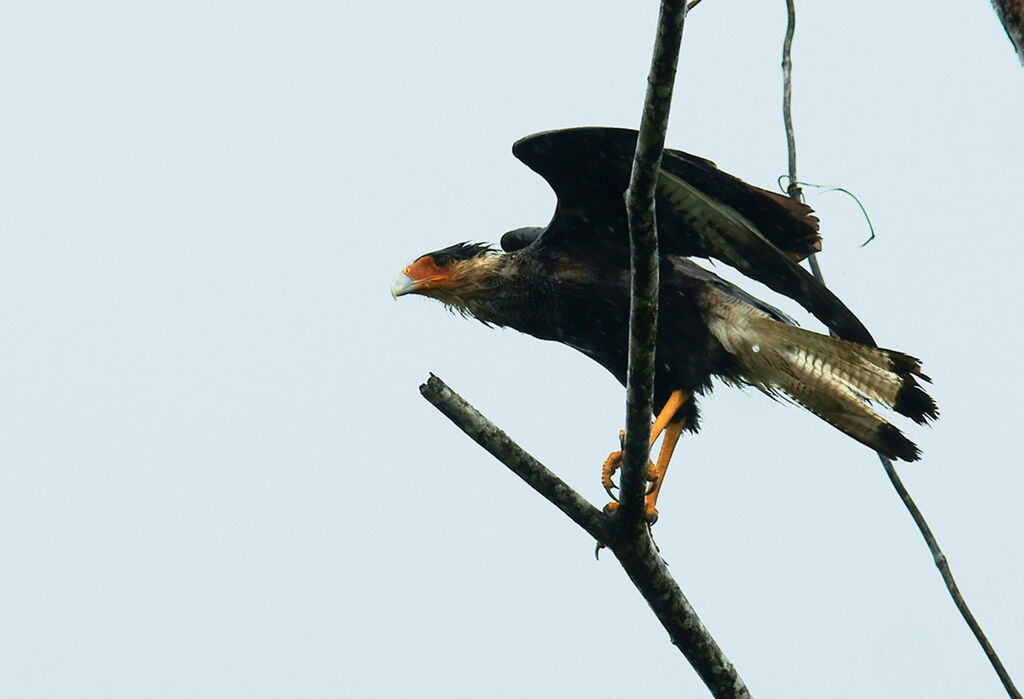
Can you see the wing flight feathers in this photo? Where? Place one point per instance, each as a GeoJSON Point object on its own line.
{"type": "Point", "coordinates": [737, 242]}
{"type": "Point", "coordinates": [702, 211]}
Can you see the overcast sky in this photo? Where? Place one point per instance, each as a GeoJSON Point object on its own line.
{"type": "Point", "coordinates": [217, 476]}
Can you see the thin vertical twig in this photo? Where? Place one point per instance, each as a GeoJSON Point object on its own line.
{"type": "Point", "coordinates": [793, 189]}
{"type": "Point", "coordinates": [643, 237]}
{"type": "Point", "coordinates": [933, 545]}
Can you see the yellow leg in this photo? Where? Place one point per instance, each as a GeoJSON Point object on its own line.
{"type": "Point", "coordinates": [668, 445]}
{"type": "Point", "coordinates": [672, 406]}
{"type": "Point", "coordinates": [665, 422]}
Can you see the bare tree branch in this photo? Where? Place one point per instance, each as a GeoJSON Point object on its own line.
{"type": "Point", "coordinates": [486, 434]}
{"type": "Point", "coordinates": [643, 307]}
{"type": "Point", "coordinates": [794, 191]}
{"type": "Point", "coordinates": [1011, 14]}
{"type": "Point", "coordinates": [947, 576]}
{"type": "Point", "coordinates": [787, 99]}
{"type": "Point", "coordinates": [634, 550]}
{"type": "Point", "coordinates": [651, 577]}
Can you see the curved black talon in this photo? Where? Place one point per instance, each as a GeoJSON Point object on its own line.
{"type": "Point", "coordinates": [653, 486]}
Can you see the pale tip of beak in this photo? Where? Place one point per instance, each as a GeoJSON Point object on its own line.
{"type": "Point", "coordinates": [402, 284]}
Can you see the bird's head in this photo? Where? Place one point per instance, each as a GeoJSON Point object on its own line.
{"type": "Point", "coordinates": [454, 275]}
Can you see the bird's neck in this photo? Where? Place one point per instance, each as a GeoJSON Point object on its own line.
{"type": "Point", "coordinates": [542, 296]}
{"type": "Point", "coordinates": [479, 287]}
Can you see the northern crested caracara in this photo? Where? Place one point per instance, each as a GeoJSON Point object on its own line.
{"type": "Point", "coordinates": [569, 282]}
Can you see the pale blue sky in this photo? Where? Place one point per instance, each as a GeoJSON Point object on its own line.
{"type": "Point", "coordinates": [217, 477]}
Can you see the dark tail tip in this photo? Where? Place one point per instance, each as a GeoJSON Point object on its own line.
{"type": "Point", "coordinates": [895, 445]}
{"type": "Point", "coordinates": [905, 364]}
{"type": "Point", "coordinates": [913, 402]}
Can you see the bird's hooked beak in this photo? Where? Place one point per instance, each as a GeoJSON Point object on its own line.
{"type": "Point", "coordinates": [401, 285]}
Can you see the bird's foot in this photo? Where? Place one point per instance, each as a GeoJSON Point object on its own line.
{"type": "Point", "coordinates": [650, 511]}
{"type": "Point", "coordinates": [612, 464]}
{"type": "Point", "coordinates": [608, 469]}
{"type": "Point", "coordinates": [651, 499]}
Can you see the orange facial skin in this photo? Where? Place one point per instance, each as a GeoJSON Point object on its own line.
{"type": "Point", "coordinates": [426, 273]}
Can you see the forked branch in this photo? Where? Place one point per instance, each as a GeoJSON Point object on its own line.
{"type": "Point", "coordinates": [635, 552]}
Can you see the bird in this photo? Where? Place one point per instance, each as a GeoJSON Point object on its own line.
{"type": "Point", "coordinates": [569, 282]}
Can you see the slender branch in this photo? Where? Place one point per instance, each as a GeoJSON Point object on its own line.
{"type": "Point", "coordinates": [651, 577]}
{"type": "Point", "coordinates": [634, 550]}
{"type": "Point", "coordinates": [947, 576]}
{"type": "Point", "coordinates": [643, 307]}
{"type": "Point", "coordinates": [1011, 14]}
{"type": "Point", "coordinates": [933, 545]}
{"type": "Point", "coordinates": [787, 100]}
{"type": "Point", "coordinates": [537, 476]}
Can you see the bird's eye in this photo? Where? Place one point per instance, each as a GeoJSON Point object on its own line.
{"type": "Point", "coordinates": [441, 260]}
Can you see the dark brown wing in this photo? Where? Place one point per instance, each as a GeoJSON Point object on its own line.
{"type": "Point", "coordinates": [787, 224]}
{"type": "Point", "coordinates": [702, 212]}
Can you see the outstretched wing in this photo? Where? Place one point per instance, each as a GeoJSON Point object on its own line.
{"type": "Point", "coordinates": [702, 212]}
